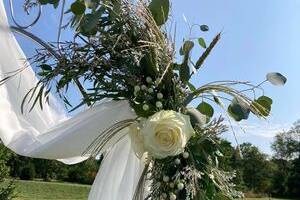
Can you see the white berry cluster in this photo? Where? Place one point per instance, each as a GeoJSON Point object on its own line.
{"type": "Point", "coordinates": [173, 184]}
{"type": "Point", "coordinates": [151, 97]}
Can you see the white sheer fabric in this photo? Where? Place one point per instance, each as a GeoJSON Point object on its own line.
{"type": "Point", "coordinates": [50, 134]}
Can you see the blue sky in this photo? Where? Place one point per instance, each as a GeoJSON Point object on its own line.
{"type": "Point", "coordinates": [257, 37]}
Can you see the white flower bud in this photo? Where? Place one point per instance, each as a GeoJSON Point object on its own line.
{"type": "Point", "coordinates": [166, 179]}
{"type": "Point", "coordinates": [158, 184]}
{"type": "Point", "coordinates": [137, 88]}
{"type": "Point", "coordinates": [149, 79]}
{"type": "Point", "coordinates": [89, 3]}
{"type": "Point", "coordinates": [172, 185]}
{"type": "Point", "coordinates": [144, 87]}
{"type": "Point", "coordinates": [180, 186]}
{"type": "Point", "coordinates": [185, 155]}
{"type": "Point", "coordinates": [160, 95]}
{"type": "Point", "coordinates": [177, 161]}
{"type": "Point", "coordinates": [157, 81]}
{"type": "Point", "coordinates": [164, 195]}
{"type": "Point", "coordinates": [150, 90]}
{"type": "Point", "coordinates": [173, 196]}
{"type": "Point", "coordinates": [158, 104]}
{"type": "Point", "coordinates": [149, 175]}
{"type": "Point", "coordinates": [145, 107]}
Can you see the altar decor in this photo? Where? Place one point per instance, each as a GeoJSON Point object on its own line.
{"type": "Point", "coordinates": [159, 132]}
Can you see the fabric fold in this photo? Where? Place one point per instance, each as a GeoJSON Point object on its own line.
{"type": "Point", "coordinates": [119, 174]}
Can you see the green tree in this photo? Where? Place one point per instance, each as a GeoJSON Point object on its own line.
{"type": "Point", "coordinates": [6, 187]}
{"type": "Point", "coordinates": [231, 160]}
{"type": "Point", "coordinates": [256, 169]}
{"type": "Point", "coordinates": [286, 181]}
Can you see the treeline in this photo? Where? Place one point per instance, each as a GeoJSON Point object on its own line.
{"type": "Point", "coordinates": [25, 168]}
{"type": "Point", "coordinates": [257, 174]}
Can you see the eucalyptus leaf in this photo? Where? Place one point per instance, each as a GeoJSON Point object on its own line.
{"type": "Point", "coordinates": [263, 106]}
{"type": "Point", "coordinates": [89, 22]}
{"type": "Point", "coordinates": [46, 67]}
{"type": "Point", "coordinates": [160, 11]}
{"type": "Point", "coordinates": [204, 28]}
{"type": "Point", "coordinates": [78, 8]}
{"type": "Point", "coordinates": [187, 46]}
{"type": "Point", "coordinates": [43, 2]}
{"type": "Point", "coordinates": [206, 109]}
{"type": "Point", "coordinates": [276, 78]}
{"type": "Point", "coordinates": [202, 43]}
{"type": "Point", "coordinates": [265, 98]}
{"type": "Point", "coordinates": [184, 70]}
{"type": "Point", "coordinates": [53, 2]}
{"type": "Point", "coordinates": [238, 109]}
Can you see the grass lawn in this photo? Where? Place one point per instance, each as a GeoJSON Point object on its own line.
{"type": "Point", "coordinates": [36, 190]}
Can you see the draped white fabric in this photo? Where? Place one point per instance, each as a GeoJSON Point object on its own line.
{"type": "Point", "coordinates": [51, 134]}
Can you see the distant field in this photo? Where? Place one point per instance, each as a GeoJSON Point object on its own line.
{"type": "Point", "coordinates": [35, 190]}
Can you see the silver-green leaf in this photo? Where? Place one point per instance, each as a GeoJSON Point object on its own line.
{"type": "Point", "coordinates": [202, 43]}
{"type": "Point", "coordinates": [276, 78]}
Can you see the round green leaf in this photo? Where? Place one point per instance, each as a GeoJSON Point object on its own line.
{"type": "Point", "coordinates": [78, 8]}
{"type": "Point", "coordinates": [276, 78]}
{"type": "Point", "coordinates": [187, 46]}
{"type": "Point", "coordinates": [202, 42]}
{"type": "Point", "coordinates": [206, 109]}
{"type": "Point", "coordinates": [263, 106]}
{"type": "Point", "coordinates": [160, 10]}
{"type": "Point", "coordinates": [46, 67]}
{"type": "Point", "coordinates": [204, 28]}
{"type": "Point", "coordinates": [265, 98]}
{"type": "Point", "coordinates": [238, 110]}
{"type": "Point", "coordinates": [89, 23]}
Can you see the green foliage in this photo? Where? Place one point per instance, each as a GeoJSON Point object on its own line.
{"type": "Point", "coordinates": [32, 168]}
{"type": "Point", "coordinates": [78, 8]}
{"type": "Point", "coordinates": [202, 43]}
{"type": "Point", "coordinates": [287, 159]}
{"type": "Point", "coordinates": [83, 173]}
{"type": "Point", "coordinates": [6, 187]}
{"type": "Point", "coordinates": [160, 11]}
{"type": "Point", "coordinates": [27, 172]}
{"type": "Point", "coordinates": [206, 109]}
{"type": "Point", "coordinates": [238, 110]}
{"type": "Point", "coordinates": [53, 2]}
{"type": "Point", "coordinates": [257, 171]}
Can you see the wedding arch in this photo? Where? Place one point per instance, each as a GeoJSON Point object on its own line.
{"type": "Point", "coordinates": [139, 114]}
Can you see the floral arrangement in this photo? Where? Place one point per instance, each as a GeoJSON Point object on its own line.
{"type": "Point", "coordinates": [123, 49]}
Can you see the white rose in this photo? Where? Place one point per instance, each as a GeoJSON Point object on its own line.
{"type": "Point", "coordinates": [164, 134]}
